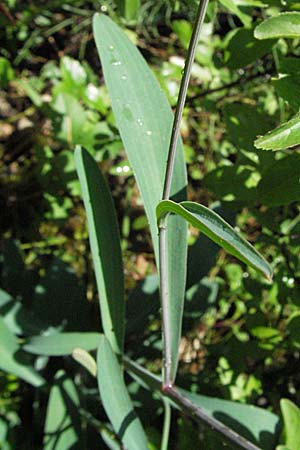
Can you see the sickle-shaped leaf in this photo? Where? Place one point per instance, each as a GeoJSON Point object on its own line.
{"type": "Point", "coordinates": [144, 119]}
{"type": "Point", "coordinates": [60, 344]}
{"type": "Point", "coordinates": [116, 400]}
{"type": "Point", "coordinates": [284, 136]}
{"type": "Point", "coordinates": [219, 231]}
{"type": "Point", "coordinates": [105, 246]}
{"type": "Point", "coordinates": [285, 25]}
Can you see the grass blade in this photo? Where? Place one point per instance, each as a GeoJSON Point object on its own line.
{"type": "Point", "coordinates": [61, 344]}
{"type": "Point", "coordinates": [116, 400]}
{"type": "Point", "coordinates": [105, 246]}
{"type": "Point", "coordinates": [62, 427]}
{"type": "Point", "coordinates": [145, 119]}
{"type": "Point", "coordinates": [9, 347]}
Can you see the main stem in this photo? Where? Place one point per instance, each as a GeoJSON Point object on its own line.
{"type": "Point", "coordinates": [167, 380]}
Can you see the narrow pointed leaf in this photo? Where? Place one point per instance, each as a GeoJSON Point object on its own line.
{"type": "Point", "coordinates": [144, 119]}
{"type": "Point", "coordinates": [105, 246]}
{"type": "Point", "coordinates": [61, 344]}
{"type": "Point", "coordinates": [116, 400]}
{"type": "Point", "coordinates": [285, 25]}
{"type": "Point", "coordinates": [13, 359]}
{"type": "Point", "coordinates": [219, 231]}
{"type": "Point", "coordinates": [284, 136]}
{"type": "Point", "coordinates": [62, 427]}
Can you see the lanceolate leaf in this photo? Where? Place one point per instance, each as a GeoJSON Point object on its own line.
{"type": "Point", "coordinates": [286, 135]}
{"type": "Point", "coordinates": [12, 358]}
{"type": "Point", "coordinates": [144, 119]}
{"type": "Point", "coordinates": [63, 427]}
{"type": "Point", "coordinates": [219, 231]}
{"type": "Point", "coordinates": [60, 344]}
{"type": "Point", "coordinates": [285, 25]}
{"type": "Point", "coordinates": [105, 246]}
{"type": "Point", "coordinates": [116, 400]}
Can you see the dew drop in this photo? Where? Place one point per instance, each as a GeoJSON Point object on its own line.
{"type": "Point", "coordinates": [119, 169]}
{"type": "Point", "coordinates": [148, 133]}
{"type": "Point", "coordinates": [124, 77]}
{"type": "Point", "coordinates": [111, 47]}
{"type": "Point", "coordinates": [127, 112]}
{"type": "Point", "coordinates": [140, 122]}
{"type": "Point", "coordinates": [116, 63]}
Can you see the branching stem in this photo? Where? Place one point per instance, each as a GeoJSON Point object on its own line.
{"type": "Point", "coordinates": [194, 411]}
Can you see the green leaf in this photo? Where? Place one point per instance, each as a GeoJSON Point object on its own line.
{"type": "Point", "coordinates": [59, 299]}
{"type": "Point", "coordinates": [285, 25]}
{"type": "Point", "coordinates": [60, 344]}
{"type": "Point", "coordinates": [256, 424]}
{"type": "Point", "coordinates": [291, 419]}
{"type": "Point", "coordinates": [86, 360]}
{"type": "Point", "coordinates": [243, 123]}
{"type": "Point", "coordinates": [116, 400]}
{"type": "Point", "coordinates": [73, 124]}
{"type": "Point", "coordinates": [280, 184]}
{"type": "Point", "coordinates": [234, 9]}
{"type": "Point", "coordinates": [219, 231]}
{"type": "Point", "coordinates": [284, 136]}
{"type": "Point", "coordinates": [129, 9]}
{"type": "Point", "coordinates": [13, 360]}
{"type": "Point", "coordinates": [105, 246]}
{"type": "Point", "coordinates": [243, 48]}
{"type": "Point", "coordinates": [62, 426]}
{"type": "Point", "coordinates": [144, 119]}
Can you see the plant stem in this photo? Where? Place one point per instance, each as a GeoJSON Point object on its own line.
{"type": "Point", "coordinates": [167, 423]}
{"type": "Point", "coordinates": [194, 411]}
{"type": "Point", "coordinates": [163, 263]}
{"type": "Point", "coordinates": [182, 96]}
{"type": "Point", "coordinates": [201, 416]}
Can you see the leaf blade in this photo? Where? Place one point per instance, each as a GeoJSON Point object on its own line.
{"type": "Point", "coordinates": [144, 119]}
{"type": "Point", "coordinates": [116, 400]}
{"type": "Point", "coordinates": [282, 137]}
{"type": "Point", "coordinates": [105, 246]}
{"type": "Point", "coordinates": [285, 25]}
{"type": "Point", "coordinates": [213, 226]}
{"type": "Point", "coordinates": [8, 348]}
{"type": "Point", "coordinates": [63, 428]}
{"type": "Point", "coordinates": [61, 344]}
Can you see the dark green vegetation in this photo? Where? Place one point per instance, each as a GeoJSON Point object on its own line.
{"type": "Point", "coordinates": [241, 332]}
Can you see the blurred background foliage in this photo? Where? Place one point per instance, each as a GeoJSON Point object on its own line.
{"type": "Point", "coordinates": [241, 336]}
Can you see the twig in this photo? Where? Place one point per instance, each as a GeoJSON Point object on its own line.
{"type": "Point", "coordinates": [227, 86]}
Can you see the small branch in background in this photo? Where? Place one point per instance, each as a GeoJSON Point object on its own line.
{"type": "Point", "coordinates": [7, 13]}
{"type": "Point", "coordinates": [240, 81]}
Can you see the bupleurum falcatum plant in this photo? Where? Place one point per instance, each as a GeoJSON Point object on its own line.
{"type": "Point", "coordinates": [151, 139]}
